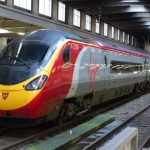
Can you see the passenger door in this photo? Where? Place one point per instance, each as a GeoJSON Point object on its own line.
{"type": "Point", "coordinates": [66, 69]}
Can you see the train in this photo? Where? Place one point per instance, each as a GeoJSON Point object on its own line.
{"type": "Point", "coordinates": [48, 75]}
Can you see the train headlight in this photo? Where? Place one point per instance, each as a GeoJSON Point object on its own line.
{"type": "Point", "coordinates": [37, 83]}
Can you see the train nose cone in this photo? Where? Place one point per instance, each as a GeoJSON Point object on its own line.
{"type": "Point", "coordinates": [12, 99]}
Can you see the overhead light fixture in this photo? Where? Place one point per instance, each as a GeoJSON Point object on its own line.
{"type": "Point", "coordinates": [4, 31]}
{"type": "Point", "coordinates": [21, 33]}
{"type": "Point", "coordinates": [138, 8]}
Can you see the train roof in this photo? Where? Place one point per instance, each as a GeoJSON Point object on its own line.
{"type": "Point", "coordinates": [114, 46]}
{"type": "Point", "coordinates": [50, 36]}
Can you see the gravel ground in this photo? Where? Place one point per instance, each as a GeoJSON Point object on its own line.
{"type": "Point", "coordinates": [130, 108]}
{"type": "Point", "coordinates": [121, 113]}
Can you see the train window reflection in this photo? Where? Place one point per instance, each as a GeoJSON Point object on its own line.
{"type": "Point", "coordinates": [125, 67]}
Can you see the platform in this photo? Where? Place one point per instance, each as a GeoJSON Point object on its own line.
{"type": "Point", "coordinates": [73, 135]}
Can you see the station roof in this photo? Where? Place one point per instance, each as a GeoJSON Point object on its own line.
{"type": "Point", "coordinates": [131, 16]}
{"type": "Point", "coordinates": [14, 27]}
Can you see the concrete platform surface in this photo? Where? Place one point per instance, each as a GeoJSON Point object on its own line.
{"type": "Point", "coordinates": [73, 135]}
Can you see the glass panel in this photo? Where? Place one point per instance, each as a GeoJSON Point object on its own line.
{"type": "Point", "coordinates": [88, 23]}
{"type": "Point", "coordinates": [61, 11]}
{"type": "Point", "coordinates": [118, 35]}
{"type": "Point", "coordinates": [45, 7]}
{"type": "Point", "coordinates": [123, 37]}
{"type": "Point", "coordinates": [132, 40]}
{"type": "Point", "coordinates": [97, 26]}
{"type": "Point", "coordinates": [113, 33]}
{"type": "Point", "coordinates": [76, 18]}
{"type": "Point", "coordinates": [128, 38]}
{"type": "Point", "coordinates": [26, 4]}
{"type": "Point", "coordinates": [105, 29]}
{"type": "Point", "coordinates": [66, 55]}
{"type": "Point", "coordinates": [28, 52]}
{"type": "Point", "coordinates": [125, 67]}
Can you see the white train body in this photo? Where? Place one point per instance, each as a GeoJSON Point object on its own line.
{"type": "Point", "coordinates": [111, 72]}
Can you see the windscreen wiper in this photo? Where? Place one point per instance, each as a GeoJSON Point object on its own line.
{"type": "Point", "coordinates": [20, 60]}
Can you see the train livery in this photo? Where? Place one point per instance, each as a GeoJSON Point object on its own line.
{"type": "Point", "coordinates": [49, 75]}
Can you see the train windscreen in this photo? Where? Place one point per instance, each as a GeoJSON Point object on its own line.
{"type": "Point", "coordinates": [26, 53]}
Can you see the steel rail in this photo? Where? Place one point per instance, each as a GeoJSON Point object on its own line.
{"type": "Point", "coordinates": [111, 132]}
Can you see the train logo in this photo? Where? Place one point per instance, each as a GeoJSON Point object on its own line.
{"type": "Point", "coordinates": [5, 95]}
{"type": "Point", "coordinates": [92, 70]}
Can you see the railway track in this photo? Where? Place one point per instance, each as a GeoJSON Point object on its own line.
{"type": "Point", "coordinates": [141, 120]}
{"type": "Point", "coordinates": [4, 131]}
{"type": "Point", "coordinates": [20, 138]}
{"type": "Point", "coordinates": [146, 144]}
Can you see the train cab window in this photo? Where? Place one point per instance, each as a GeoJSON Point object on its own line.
{"type": "Point", "coordinates": [66, 55]}
{"type": "Point", "coordinates": [28, 52]}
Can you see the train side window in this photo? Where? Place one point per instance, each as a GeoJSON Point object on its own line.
{"type": "Point", "coordinates": [125, 67]}
{"type": "Point", "coordinates": [66, 55]}
{"type": "Point", "coordinates": [145, 65]}
{"type": "Point", "coordinates": [105, 60]}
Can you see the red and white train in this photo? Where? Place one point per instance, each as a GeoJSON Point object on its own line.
{"type": "Point", "coordinates": [48, 74]}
